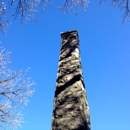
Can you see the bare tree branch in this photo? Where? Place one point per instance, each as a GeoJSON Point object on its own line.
{"type": "Point", "coordinates": [73, 5]}
{"type": "Point", "coordinates": [14, 92]}
{"type": "Point", "coordinates": [3, 22]}
{"type": "Point", "coordinates": [26, 9]}
{"type": "Point", "coordinates": [123, 5]}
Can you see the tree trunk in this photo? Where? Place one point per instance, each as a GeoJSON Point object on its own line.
{"type": "Point", "coordinates": [71, 111]}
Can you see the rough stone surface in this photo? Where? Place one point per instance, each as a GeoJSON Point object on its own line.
{"type": "Point", "coordinates": [71, 111]}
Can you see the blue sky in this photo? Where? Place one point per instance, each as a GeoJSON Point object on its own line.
{"type": "Point", "coordinates": [105, 58]}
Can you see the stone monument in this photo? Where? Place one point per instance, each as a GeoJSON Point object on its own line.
{"type": "Point", "coordinates": [71, 111]}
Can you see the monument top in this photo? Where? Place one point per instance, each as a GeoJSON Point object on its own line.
{"type": "Point", "coordinates": [68, 33]}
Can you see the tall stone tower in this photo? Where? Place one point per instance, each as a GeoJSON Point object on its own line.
{"type": "Point", "coordinates": [71, 111]}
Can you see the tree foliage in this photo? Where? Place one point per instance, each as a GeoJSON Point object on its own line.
{"type": "Point", "coordinates": [14, 92]}
{"type": "Point", "coordinates": [26, 8]}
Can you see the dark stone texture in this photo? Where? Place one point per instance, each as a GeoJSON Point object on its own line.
{"type": "Point", "coordinates": [71, 111]}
